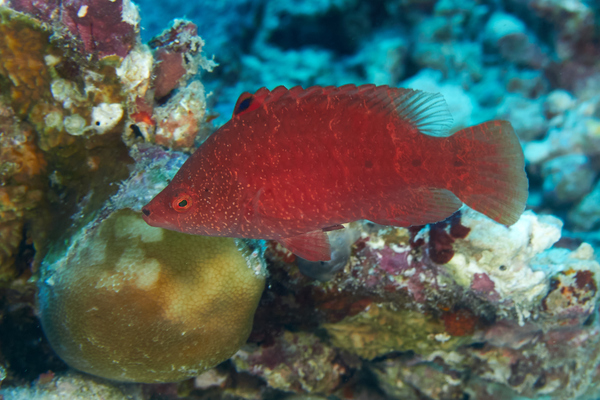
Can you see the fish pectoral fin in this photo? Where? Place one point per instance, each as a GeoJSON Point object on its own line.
{"type": "Point", "coordinates": [312, 246]}
{"type": "Point", "coordinates": [333, 228]}
{"type": "Point", "coordinates": [418, 206]}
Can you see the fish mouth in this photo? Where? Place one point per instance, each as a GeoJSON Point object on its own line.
{"type": "Point", "coordinates": [148, 216]}
{"type": "Point", "coordinates": [152, 218]}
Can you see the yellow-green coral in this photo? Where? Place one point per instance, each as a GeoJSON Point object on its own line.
{"type": "Point", "coordinates": [134, 303]}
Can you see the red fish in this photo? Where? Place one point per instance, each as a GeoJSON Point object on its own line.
{"type": "Point", "coordinates": [292, 164]}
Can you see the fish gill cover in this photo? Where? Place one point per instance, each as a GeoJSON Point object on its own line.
{"type": "Point", "coordinates": [101, 105]}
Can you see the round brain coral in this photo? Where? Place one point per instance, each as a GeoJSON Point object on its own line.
{"type": "Point", "coordinates": [134, 303]}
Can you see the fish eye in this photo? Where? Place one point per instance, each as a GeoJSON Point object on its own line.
{"type": "Point", "coordinates": [182, 203]}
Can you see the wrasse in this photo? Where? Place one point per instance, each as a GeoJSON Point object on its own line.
{"type": "Point", "coordinates": [293, 164]}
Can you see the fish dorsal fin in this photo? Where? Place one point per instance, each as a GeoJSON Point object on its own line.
{"type": "Point", "coordinates": [312, 246]}
{"type": "Point", "coordinates": [427, 112]}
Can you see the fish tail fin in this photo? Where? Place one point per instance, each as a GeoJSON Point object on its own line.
{"type": "Point", "coordinates": [495, 182]}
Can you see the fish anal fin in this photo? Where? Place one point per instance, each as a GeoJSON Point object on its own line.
{"type": "Point", "coordinates": [417, 206]}
{"type": "Point", "coordinates": [312, 246]}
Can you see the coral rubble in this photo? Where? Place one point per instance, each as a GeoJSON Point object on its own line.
{"type": "Point", "coordinates": [73, 386]}
{"type": "Point", "coordinates": [297, 361]}
{"type": "Point", "coordinates": [505, 312]}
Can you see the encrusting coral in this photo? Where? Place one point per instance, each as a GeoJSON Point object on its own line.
{"type": "Point", "coordinates": [21, 185]}
{"type": "Point", "coordinates": [77, 73]}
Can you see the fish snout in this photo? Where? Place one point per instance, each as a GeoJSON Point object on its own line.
{"type": "Point", "coordinates": [155, 216]}
{"type": "Point", "coordinates": [149, 216]}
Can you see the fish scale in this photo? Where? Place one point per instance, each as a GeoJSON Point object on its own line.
{"type": "Point", "coordinates": [291, 164]}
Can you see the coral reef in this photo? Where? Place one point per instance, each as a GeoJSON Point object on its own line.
{"type": "Point", "coordinates": [21, 186]}
{"type": "Point", "coordinates": [501, 313]}
{"type": "Point", "coordinates": [79, 77]}
{"type": "Point", "coordinates": [465, 308]}
{"type": "Point", "coordinates": [586, 215]}
{"type": "Point", "coordinates": [74, 80]}
{"type": "Point", "coordinates": [177, 304]}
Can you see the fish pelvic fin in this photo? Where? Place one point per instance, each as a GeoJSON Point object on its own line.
{"type": "Point", "coordinates": [312, 246]}
{"type": "Point", "coordinates": [494, 181]}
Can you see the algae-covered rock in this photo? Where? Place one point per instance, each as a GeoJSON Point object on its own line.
{"type": "Point", "coordinates": [400, 381]}
{"type": "Point", "coordinates": [295, 362]}
{"type": "Point", "coordinates": [134, 303]}
{"type": "Point", "coordinates": [466, 307]}
{"type": "Point", "coordinates": [382, 329]}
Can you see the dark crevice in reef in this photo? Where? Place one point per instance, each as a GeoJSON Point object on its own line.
{"type": "Point", "coordinates": [24, 351]}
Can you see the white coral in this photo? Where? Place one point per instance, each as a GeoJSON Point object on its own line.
{"type": "Point", "coordinates": [505, 254]}
{"type": "Point", "coordinates": [135, 71]}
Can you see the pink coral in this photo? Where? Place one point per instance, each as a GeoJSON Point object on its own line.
{"type": "Point", "coordinates": [45, 10]}
{"type": "Point", "coordinates": [105, 27]}
{"type": "Point", "coordinates": [485, 287]}
{"type": "Point", "coordinates": [177, 51]}
{"type": "Point", "coordinates": [168, 71]}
